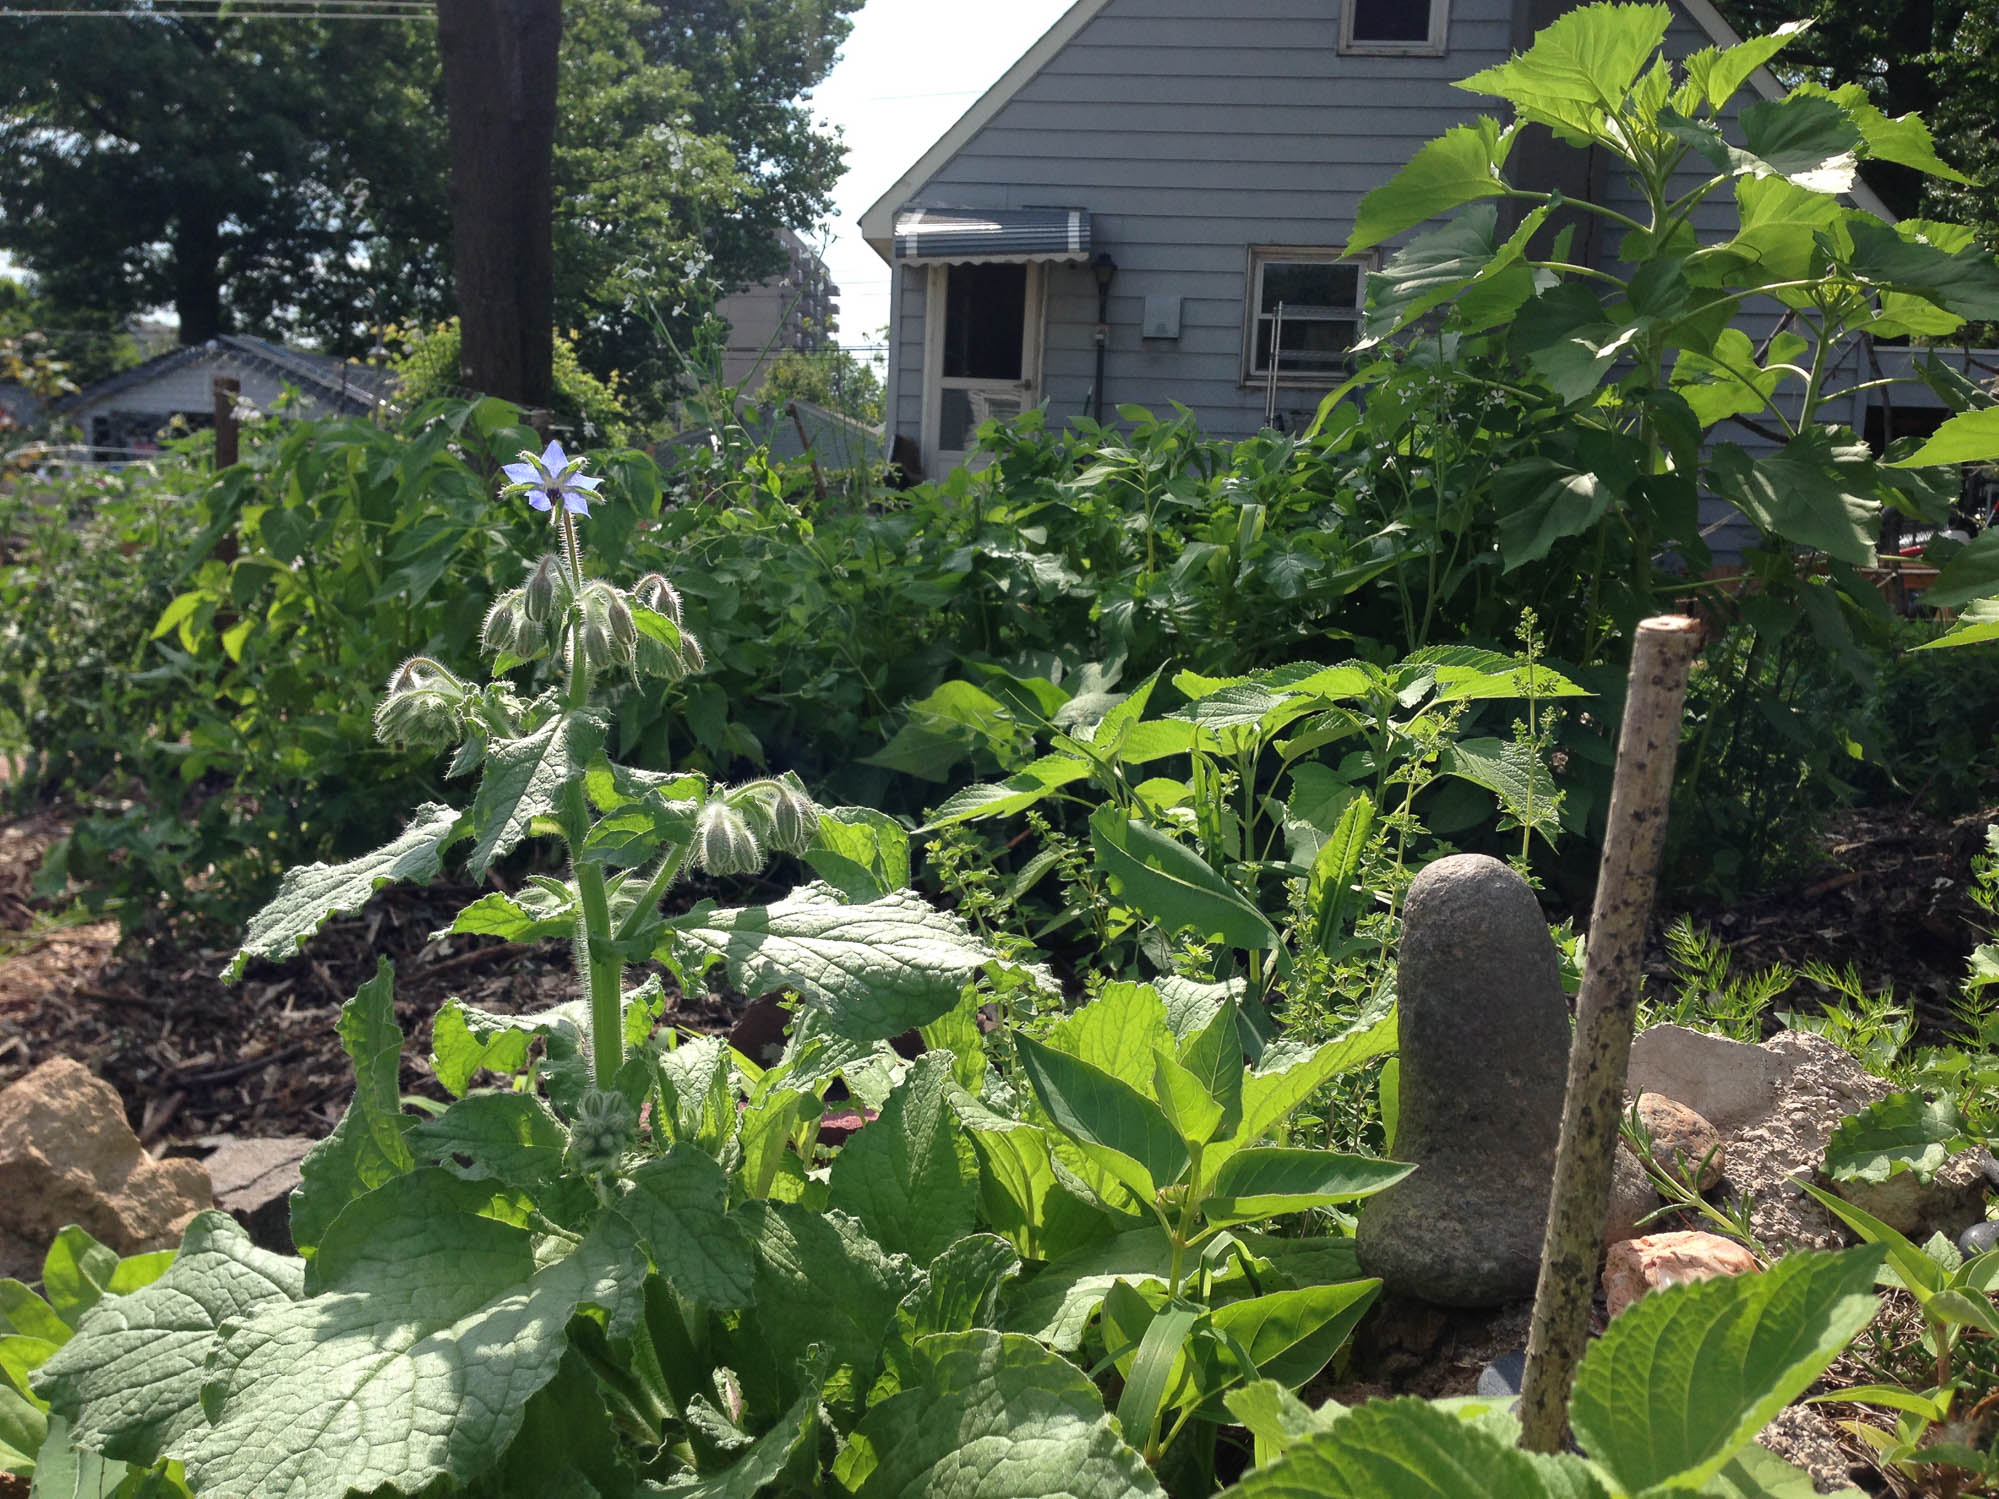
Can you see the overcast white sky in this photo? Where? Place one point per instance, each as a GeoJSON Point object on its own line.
{"type": "Point", "coordinates": [908, 71]}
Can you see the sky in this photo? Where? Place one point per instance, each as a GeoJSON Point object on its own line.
{"type": "Point", "coordinates": [909, 69]}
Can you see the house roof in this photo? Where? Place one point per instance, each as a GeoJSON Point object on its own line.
{"type": "Point", "coordinates": [878, 222]}
{"type": "Point", "coordinates": [349, 388]}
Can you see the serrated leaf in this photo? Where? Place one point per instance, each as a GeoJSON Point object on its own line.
{"type": "Point", "coordinates": [534, 913]}
{"type": "Point", "coordinates": [1460, 166]}
{"type": "Point", "coordinates": [677, 1203]}
{"type": "Point", "coordinates": [523, 780]}
{"type": "Point", "coordinates": [1965, 282]}
{"type": "Point", "coordinates": [1579, 66]}
{"type": "Point", "coordinates": [1288, 1073]}
{"type": "Point", "coordinates": [413, 1362]}
{"type": "Point", "coordinates": [909, 1177]}
{"type": "Point", "coordinates": [506, 1137]}
{"type": "Point", "coordinates": [1397, 1449]}
{"type": "Point", "coordinates": [874, 970]}
{"type": "Point", "coordinates": [1685, 1379]}
{"type": "Point", "coordinates": [1968, 437]}
{"type": "Point", "coordinates": [1810, 493]}
{"type": "Point", "coordinates": [997, 1417]}
{"type": "Point", "coordinates": [313, 894]}
{"type": "Point", "coordinates": [367, 1148]}
{"type": "Point", "coordinates": [862, 853]}
{"type": "Point", "coordinates": [1902, 1132]}
{"type": "Point", "coordinates": [1809, 141]}
{"type": "Point", "coordinates": [130, 1380]}
{"type": "Point", "coordinates": [819, 1279]}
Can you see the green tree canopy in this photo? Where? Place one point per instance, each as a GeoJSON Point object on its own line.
{"type": "Point", "coordinates": [289, 177]}
{"type": "Point", "coordinates": [1939, 58]}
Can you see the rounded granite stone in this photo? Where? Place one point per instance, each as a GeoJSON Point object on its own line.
{"type": "Point", "coordinates": [1484, 1035]}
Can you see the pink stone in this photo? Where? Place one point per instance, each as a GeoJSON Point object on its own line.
{"type": "Point", "coordinates": [1637, 1267]}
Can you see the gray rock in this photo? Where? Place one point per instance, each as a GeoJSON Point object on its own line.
{"type": "Point", "coordinates": [1484, 1031]}
{"type": "Point", "coordinates": [1948, 1203]}
{"type": "Point", "coordinates": [1632, 1198]}
{"type": "Point", "coordinates": [1728, 1083]}
{"type": "Point", "coordinates": [1980, 1238]}
{"type": "Point", "coordinates": [254, 1181]}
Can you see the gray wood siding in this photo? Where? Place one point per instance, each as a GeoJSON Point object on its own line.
{"type": "Point", "coordinates": [1191, 132]}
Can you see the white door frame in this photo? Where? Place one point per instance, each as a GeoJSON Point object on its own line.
{"type": "Point", "coordinates": [937, 463]}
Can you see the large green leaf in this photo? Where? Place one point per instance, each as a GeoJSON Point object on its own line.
{"type": "Point", "coordinates": [1972, 573]}
{"type": "Point", "coordinates": [513, 1138]}
{"type": "Point", "coordinates": [65, 1470]}
{"type": "Point", "coordinates": [1965, 282]}
{"type": "Point", "coordinates": [1174, 886]}
{"type": "Point", "coordinates": [1032, 783]}
{"type": "Point", "coordinates": [862, 853]}
{"type": "Point", "coordinates": [1116, 1125]}
{"type": "Point", "coordinates": [1057, 1303]}
{"type": "Point", "coordinates": [523, 780]}
{"type": "Point", "coordinates": [677, 1202]}
{"type": "Point", "coordinates": [1265, 1181]}
{"type": "Point", "coordinates": [910, 1177]}
{"type": "Point", "coordinates": [1430, 270]}
{"type": "Point", "coordinates": [1397, 1449]}
{"type": "Point", "coordinates": [367, 1148]}
{"type": "Point", "coordinates": [1460, 166]}
{"type": "Point", "coordinates": [819, 1280]}
{"type": "Point", "coordinates": [1811, 493]}
{"type": "Point", "coordinates": [130, 1380]}
{"type": "Point", "coordinates": [1686, 1378]}
{"type": "Point", "coordinates": [1024, 1194]}
{"type": "Point", "coordinates": [1542, 500]}
{"type": "Point", "coordinates": [1714, 75]}
{"type": "Point", "coordinates": [413, 1362]}
{"type": "Point", "coordinates": [997, 1417]}
{"type": "Point", "coordinates": [1117, 1032]}
{"type": "Point", "coordinates": [1902, 1132]}
{"type": "Point", "coordinates": [1580, 66]}
{"type": "Point", "coordinates": [1289, 1073]}
{"type": "Point", "coordinates": [313, 894]}
{"type": "Point", "coordinates": [1809, 141]}
{"type": "Point", "coordinates": [1968, 437]}
{"type": "Point", "coordinates": [875, 970]}
{"type": "Point", "coordinates": [765, 1460]}
{"type": "Point", "coordinates": [1291, 1334]}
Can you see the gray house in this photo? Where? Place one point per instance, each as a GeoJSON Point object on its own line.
{"type": "Point", "coordinates": [1151, 205]}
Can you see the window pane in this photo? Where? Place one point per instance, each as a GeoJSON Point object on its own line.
{"type": "Point", "coordinates": [1391, 20]}
{"type": "Point", "coordinates": [1308, 284]}
{"type": "Point", "coordinates": [985, 310]}
{"type": "Point", "coordinates": [1310, 347]}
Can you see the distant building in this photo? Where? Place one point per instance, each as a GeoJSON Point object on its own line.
{"type": "Point", "coordinates": [794, 310]}
{"type": "Point", "coordinates": [126, 413]}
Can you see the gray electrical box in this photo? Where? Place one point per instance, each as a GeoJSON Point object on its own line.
{"type": "Point", "coordinates": [1162, 317]}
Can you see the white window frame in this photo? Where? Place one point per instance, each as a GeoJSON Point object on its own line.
{"type": "Point", "coordinates": [1263, 255]}
{"type": "Point", "coordinates": [1435, 45]}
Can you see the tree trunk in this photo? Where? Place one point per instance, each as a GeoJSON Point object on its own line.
{"type": "Point", "coordinates": [197, 275]}
{"type": "Point", "coordinates": [499, 59]}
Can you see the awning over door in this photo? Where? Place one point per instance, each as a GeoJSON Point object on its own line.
{"type": "Point", "coordinates": [930, 235]}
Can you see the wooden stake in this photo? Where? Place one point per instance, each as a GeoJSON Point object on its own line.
{"type": "Point", "coordinates": [1633, 840]}
{"type": "Point", "coordinates": [225, 389]}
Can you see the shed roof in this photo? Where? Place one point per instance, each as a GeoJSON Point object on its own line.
{"type": "Point", "coordinates": [349, 388]}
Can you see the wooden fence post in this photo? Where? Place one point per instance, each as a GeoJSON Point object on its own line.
{"type": "Point", "coordinates": [226, 389]}
{"type": "Point", "coordinates": [1633, 840]}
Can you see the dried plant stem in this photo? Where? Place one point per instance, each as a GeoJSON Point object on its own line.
{"type": "Point", "coordinates": [1633, 841]}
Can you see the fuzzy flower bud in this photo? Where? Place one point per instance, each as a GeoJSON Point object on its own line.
{"type": "Point", "coordinates": [607, 633]}
{"type": "Point", "coordinates": [780, 811]}
{"type": "Point", "coordinates": [542, 595]}
{"type": "Point", "coordinates": [508, 629]}
{"type": "Point", "coordinates": [657, 594]}
{"type": "Point", "coordinates": [423, 706]}
{"type": "Point", "coordinates": [724, 841]}
{"type": "Point", "coordinates": [601, 1131]}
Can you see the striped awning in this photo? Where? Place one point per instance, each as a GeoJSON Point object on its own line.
{"type": "Point", "coordinates": [1003, 234]}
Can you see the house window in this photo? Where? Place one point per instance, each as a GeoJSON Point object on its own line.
{"type": "Point", "coordinates": [1307, 304]}
{"type": "Point", "coordinates": [1396, 26]}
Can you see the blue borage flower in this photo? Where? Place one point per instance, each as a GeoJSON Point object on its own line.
{"type": "Point", "coordinates": [551, 477]}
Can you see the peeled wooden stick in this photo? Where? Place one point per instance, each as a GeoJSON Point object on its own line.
{"type": "Point", "coordinates": [1632, 843]}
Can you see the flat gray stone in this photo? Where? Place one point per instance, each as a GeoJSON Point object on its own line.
{"type": "Point", "coordinates": [254, 1181]}
{"type": "Point", "coordinates": [1484, 1032]}
{"type": "Point", "coordinates": [1728, 1083]}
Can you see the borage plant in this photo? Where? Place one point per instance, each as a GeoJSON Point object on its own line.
{"type": "Point", "coordinates": [612, 1266]}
